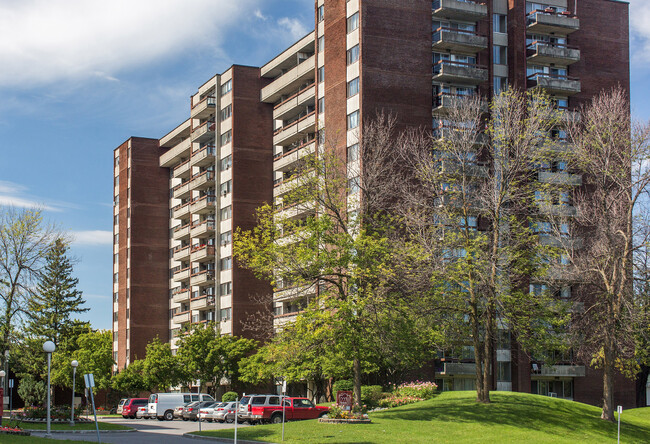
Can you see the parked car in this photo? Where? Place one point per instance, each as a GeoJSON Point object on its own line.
{"type": "Point", "coordinates": [294, 409]}
{"type": "Point", "coordinates": [130, 407]}
{"type": "Point", "coordinates": [120, 404]}
{"type": "Point", "coordinates": [178, 411]}
{"type": "Point", "coordinates": [205, 413]}
{"type": "Point", "coordinates": [142, 412]}
{"type": "Point", "coordinates": [224, 412]}
{"type": "Point", "coordinates": [162, 405]}
{"type": "Point", "coordinates": [246, 403]}
{"type": "Point", "coordinates": [192, 410]}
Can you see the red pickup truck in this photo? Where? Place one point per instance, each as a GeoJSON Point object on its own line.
{"type": "Point", "coordinates": [294, 409]}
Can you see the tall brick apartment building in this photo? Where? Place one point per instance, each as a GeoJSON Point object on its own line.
{"type": "Point", "coordinates": [248, 128]}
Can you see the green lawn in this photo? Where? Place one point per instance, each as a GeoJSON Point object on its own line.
{"type": "Point", "coordinates": [455, 417]}
{"type": "Point", "coordinates": [13, 439]}
{"type": "Point", "coordinates": [62, 426]}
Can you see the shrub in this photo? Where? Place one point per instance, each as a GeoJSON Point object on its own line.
{"type": "Point", "coordinates": [343, 384]}
{"type": "Point", "coordinates": [371, 395]}
{"type": "Point", "coordinates": [417, 389]}
{"type": "Point", "coordinates": [357, 412]}
{"type": "Point", "coordinates": [229, 397]}
{"type": "Point", "coordinates": [32, 392]}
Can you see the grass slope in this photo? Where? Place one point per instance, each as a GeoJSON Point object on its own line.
{"type": "Point", "coordinates": [455, 417]}
{"type": "Point", "coordinates": [63, 426]}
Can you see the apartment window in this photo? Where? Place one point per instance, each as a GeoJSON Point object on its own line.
{"type": "Point", "coordinates": [225, 113]}
{"type": "Point", "coordinates": [353, 185]}
{"type": "Point", "coordinates": [128, 313]}
{"type": "Point", "coordinates": [225, 263]}
{"type": "Point", "coordinates": [353, 153]}
{"type": "Point", "coordinates": [353, 120]}
{"type": "Point", "coordinates": [128, 294]}
{"type": "Point", "coordinates": [500, 23]}
{"type": "Point", "coordinates": [116, 219]}
{"type": "Point", "coordinates": [321, 105]}
{"type": "Point", "coordinates": [353, 54]}
{"type": "Point", "coordinates": [116, 258]}
{"type": "Point", "coordinates": [225, 188]}
{"type": "Point", "coordinates": [116, 295]}
{"type": "Point", "coordinates": [353, 87]}
{"type": "Point", "coordinates": [115, 278]}
{"type": "Point", "coordinates": [225, 137]}
{"type": "Point", "coordinates": [225, 288]}
{"type": "Point", "coordinates": [225, 238]}
{"type": "Point", "coordinates": [500, 84]}
{"type": "Point", "coordinates": [321, 74]}
{"type": "Point", "coordinates": [225, 163]}
{"type": "Point", "coordinates": [500, 55]}
{"type": "Point", "coordinates": [321, 43]}
{"type": "Point", "coordinates": [115, 356]}
{"type": "Point", "coordinates": [117, 181]}
{"type": "Point", "coordinates": [353, 22]}
{"type": "Point", "coordinates": [226, 212]}
{"type": "Point", "coordinates": [114, 336]}
{"type": "Point", "coordinates": [226, 88]}
{"type": "Point", "coordinates": [115, 316]}
{"type": "Point", "coordinates": [503, 372]}
{"type": "Point", "coordinates": [321, 13]}
{"type": "Point", "coordinates": [117, 161]}
{"type": "Point", "coordinates": [224, 314]}
{"type": "Point", "coordinates": [116, 202]}
{"type": "Point", "coordinates": [128, 334]}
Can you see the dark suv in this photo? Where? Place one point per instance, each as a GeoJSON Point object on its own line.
{"type": "Point", "coordinates": [246, 403]}
{"type": "Point", "coordinates": [130, 407]}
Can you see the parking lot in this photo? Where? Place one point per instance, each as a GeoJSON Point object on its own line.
{"type": "Point", "coordinates": [149, 431]}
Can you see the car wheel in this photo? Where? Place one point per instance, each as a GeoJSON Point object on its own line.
{"type": "Point", "coordinates": [160, 418]}
{"type": "Point", "coordinates": [185, 419]}
{"type": "Point", "coordinates": [322, 415]}
{"type": "Point", "coordinates": [125, 417]}
{"type": "Point", "coordinates": [276, 419]}
{"type": "Point", "coordinates": [169, 415]}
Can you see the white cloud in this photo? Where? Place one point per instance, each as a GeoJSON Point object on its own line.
{"type": "Point", "coordinates": [44, 41]}
{"type": "Point", "coordinates": [14, 195]}
{"type": "Point", "coordinates": [640, 28]}
{"type": "Point", "coordinates": [295, 27]}
{"type": "Point", "coordinates": [257, 13]}
{"type": "Point", "coordinates": [92, 237]}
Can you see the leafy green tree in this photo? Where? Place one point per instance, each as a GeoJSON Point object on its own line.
{"type": "Point", "coordinates": [207, 355]}
{"type": "Point", "coordinates": [95, 355]}
{"type": "Point", "coordinates": [161, 368]}
{"type": "Point", "coordinates": [131, 379]}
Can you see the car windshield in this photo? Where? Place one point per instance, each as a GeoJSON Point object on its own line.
{"type": "Point", "coordinates": [122, 401]}
{"type": "Point", "coordinates": [244, 400]}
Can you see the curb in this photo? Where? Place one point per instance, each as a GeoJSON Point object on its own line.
{"type": "Point", "coordinates": [79, 431]}
{"type": "Point", "coordinates": [222, 440]}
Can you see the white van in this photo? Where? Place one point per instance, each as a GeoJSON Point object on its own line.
{"type": "Point", "coordinates": [162, 405]}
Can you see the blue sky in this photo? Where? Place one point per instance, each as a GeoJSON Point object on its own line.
{"type": "Point", "coordinates": [79, 77]}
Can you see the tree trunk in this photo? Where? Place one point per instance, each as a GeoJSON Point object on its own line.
{"type": "Point", "coordinates": [608, 381]}
{"type": "Point", "coordinates": [488, 352]}
{"type": "Point", "coordinates": [478, 355]}
{"type": "Point", "coordinates": [356, 371]}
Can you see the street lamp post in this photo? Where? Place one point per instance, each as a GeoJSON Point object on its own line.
{"type": "Point", "coordinates": [48, 347]}
{"type": "Point", "coordinates": [74, 365]}
{"type": "Point", "coordinates": [2, 394]}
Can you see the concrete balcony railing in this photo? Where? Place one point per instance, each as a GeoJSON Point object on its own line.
{"type": "Point", "coordinates": [288, 134]}
{"type": "Point", "coordinates": [203, 204]}
{"type": "Point", "coordinates": [555, 85]}
{"type": "Point", "coordinates": [450, 71]}
{"type": "Point", "coordinates": [560, 370]}
{"type": "Point", "coordinates": [459, 9]}
{"type": "Point", "coordinates": [201, 228]}
{"type": "Point", "coordinates": [454, 39]}
{"type": "Point", "coordinates": [202, 253]}
{"type": "Point", "coordinates": [546, 53]}
{"type": "Point", "coordinates": [571, 243]}
{"type": "Point", "coordinates": [181, 253]}
{"type": "Point", "coordinates": [290, 81]}
{"type": "Point", "coordinates": [560, 178]}
{"type": "Point", "coordinates": [182, 170]}
{"type": "Point", "coordinates": [286, 294]}
{"type": "Point", "coordinates": [181, 211]}
{"type": "Point", "coordinates": [548, 21]}
{"type": "Point", "coordinates": [295, 210]}
{"type": "Point", "coordinates": [203, 156]}
{"type": "Point", "coordinates": [444, 102]}
{"type": "Point", "coordinates": [182, 295]}
{"type": "Point", "coordinates": [203, 277]}
{"type": "Point", "coordinates": [203, 303]}
{"type": "Point", "coordinates": [181, 318]}
{"type": "Point", "coordinates": [202, 180]}
{"type": "Point", "coordinates": [204, 132]}
{"type": "Point", "coordinates": [182, 190]}
{"type": "Point", "coordinates": [204, 108]}
{"type": "Point", "coordinates": [558, 210]}
{"type": "Point", "coordinates": [283, 186]}
{"type": "Point", "coordinates": [181, 275]}
{"type": "Point", "coordinates": [289, 159]}
{"type": "Point", "coordinates": [174, 155]}
{"type": "Point", "coordinates": [181, 232]}
{"type": "Point", "coordinates": [458, 368]}
{"type": "Point", "coordinates": [291, 106]}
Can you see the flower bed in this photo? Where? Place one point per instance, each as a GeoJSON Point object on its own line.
{"type": "Point", "coordinates": [408, 393]}
{"type": "Point", "coordinates": [344, 421]}
{"type": "Point", "coordinates": [13, 431]}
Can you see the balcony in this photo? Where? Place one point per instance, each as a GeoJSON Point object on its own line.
{"type": "Point", "coordinates": [203, 302]}
{"type": "Point", "coordinates": [560, 178]}
{"type": "Point", "coordinates": [204, 108]}
{"type": "Point", "coordinates": [204, 132]}
{"type": "Point", "coordinates": [459, 9]}
{"type": "Point", "coordinates": [546, 53]}
{"type": "Point", "coordinates": [181, 253]}
{"type": "Point", "coordinates": [287, 160]}
{"type": "Point", "coordinates": [202, 180]}
{"type": "Point", "coordinates": [290, 81]}
{"type": "Point", "coordinates": [560, 146]}
{"type": "Point", "coordinates": [560, 370]}
{"type": "Point", "coordinates": [286, 294]}
{"type": "Point", "coordinates": [450, 71]}
{"type": "Point", "coordinates": [203, 204]}
{"type": "Point", "coordinates": [548, 21]}
{"type": "Point", "coordinates": [181, 318]}
{"type": "Point", "coordinates": [201, 228]}
{"type": "Point", "coordinates": [203, 277]}
{"type": "Point", "coordinates": [291, 106]}
{"type": "Point", "coordinates": [453, 168]}
{"type": "Point", "coordinates": [181, 211]}
{"type": "Point", "coordinates": [569, 243]}
{"type": "Point", "coordinates": [454, 133]}
{"type": "Point", "coordinates": [445, 102]}
{"type": "Point", "coordinates": [454, 39]}
{"type": "Point", "coordinates": [181, 295]}
{"type": "Point", "coordinates": [182, 171]}
{"type": "Point", "coordinates": [182, 190]}
{"type": "Point", "coordinates": [176, 154]}
{"type": "Point", "coordinates": [554, 84]}
{"type": "Point", "coordinates": [181, 275]}
{"type": "Point", "coordinates": [203, 156]}
{"type": "Point", "coordinates": [294, 210]}
{"type": "Point", "coordinates": [458, 369]}
{"type": "Point", "coordinates": [202, 253]}
{"type": "Point", "coordinates": [181, 232]}
{"type": "Point", "coordinates": [296, 130]}
{"type": "Point", "coordinates": [283, 186]}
